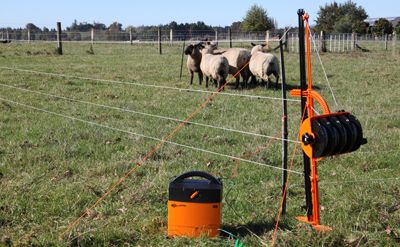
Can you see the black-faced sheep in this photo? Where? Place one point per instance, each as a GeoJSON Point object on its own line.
{"type": "Point", "coordinates": [194, 60]}
{"type": "Point", "coordinates": [215, 67]}
{"type": "Point", "coordinates": [264, 64]}
{"type": "Point", "coordinates": [237, 58]}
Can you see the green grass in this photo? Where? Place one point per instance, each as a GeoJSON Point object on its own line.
{"type": "Point", "coordinates": [53, 168]}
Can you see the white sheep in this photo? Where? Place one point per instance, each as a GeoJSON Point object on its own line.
{"type": "Point", "coordinates": [215, 67]}
{"type": "Point", "coordinates": [264, 64]}
{"type": "Point", "coordinates": [193, 61]}
{"type": "Point", "coordinates": [238, 58]}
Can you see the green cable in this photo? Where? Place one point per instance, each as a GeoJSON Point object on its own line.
{"type": "Point", "coordinates": [237, 239]}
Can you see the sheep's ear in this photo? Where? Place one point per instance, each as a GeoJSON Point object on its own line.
{"type": "Point", "coordinates": [208, 43]}
{"type": "Point", "coordinates": [263, 45]}
{"type": "Point", "coordinates": [253, 44]}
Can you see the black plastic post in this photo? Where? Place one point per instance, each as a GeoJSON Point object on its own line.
{"type": "Point", "coordinates": [284, 128]}
{"type": "Point", "coordinates": [303, 86]}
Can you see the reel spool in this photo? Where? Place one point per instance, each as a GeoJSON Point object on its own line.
{"type": "Point", "coordinates": [331, 134]}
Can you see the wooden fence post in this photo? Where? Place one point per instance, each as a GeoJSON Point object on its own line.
{"type": "Point", "coordinates": [59, 42]}
{"type": "Point", "coordinates": [171, 36]}
{"type": "Point", "coordinates": [330, 42]}
{"type": "Point", "coordinates": [159, 41]}
{"type": "Point", "coordinates": [230, 37]}
{"type": "Point", "coordinates": [130, 36]}
{"type": "Point", "coordinates": [92, 36]}
{"type": "Point", "coordinates": [29, 36]}
{"type": "Point", "coordinates": [386, 41]}
{"type": "Point", "coordinates": [267, 37]}
{"type": "Point", "coordinates": [323, 42]}
{"type": "Point", "coordinates": [353, 41]}
{"type": "Point", "coordinates": [343, 41]}
{"type": "Point", "coordinates": [216, 35]}
{"type": "Point", "coordinates": [7, 35]}
{"type": "Point", "coordinates": [292, 42]}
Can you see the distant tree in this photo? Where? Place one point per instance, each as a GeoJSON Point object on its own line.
{"type": "Point", "coordinates": [32, 27]}
{"type": "Point", "coordinates": [46, 30]}
{"type": "Point", "coordinates": [115, 26]}
{"type": "Point", "coordinates": [256, 19]}
{"type": "Point", "coordinates": [345, 18]}
{"type": "Point", "coordinates": [113, 31]}
{"type": "Point", "coordinates": [99, 26]}
{"type": "Point", "coordinates": [235, 26]}
{"type": "Point", "coordinates": [382, 26]}
{"type": "Point", "coordinates": [397, 29]}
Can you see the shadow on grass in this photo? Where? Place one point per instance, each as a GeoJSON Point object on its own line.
{"type": "Point", "coordinates": [258, 228]}
{"type": "Point", "coordinates": [261, 85]}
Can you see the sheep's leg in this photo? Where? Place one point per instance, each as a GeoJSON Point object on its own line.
{"type": "Point", "coordinates": [276, 83]}
{"type": "Point", "coordinates": [191, 77]}
{"type": "Point", "coordinates": [237, 81]}
{"type": "Point", "coordinates": [206, 81]}
{"type": "Point", "coordinates": [200, 77]}
{"type": "Point", "coordinates": [245, 78]}
{"type": "Point", "coordinates": [253, 79]}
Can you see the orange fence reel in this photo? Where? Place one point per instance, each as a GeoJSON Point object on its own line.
{"type": "Point", "coordinates": [321, 135]}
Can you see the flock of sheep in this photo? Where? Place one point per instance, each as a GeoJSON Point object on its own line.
{"type": "Point", "coordinates": [204, 60]}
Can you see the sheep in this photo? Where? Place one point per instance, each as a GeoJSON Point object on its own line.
{"type": "Point", "coordinates": [193, 61]}
{"type": "Point", "coordinates": [237, 58]}
{"type": "Point", "coordinates": [264, 64]}
{"type": "Point", "coordinates": [215, 67]}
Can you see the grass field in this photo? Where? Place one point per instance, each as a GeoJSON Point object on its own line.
{"type": "Point", "coordinates": [53, 167]}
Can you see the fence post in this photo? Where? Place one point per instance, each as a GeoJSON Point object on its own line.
{"type": "Point", "coordinates": [267, 37]}
{"type": "Point", "coordinates": [92, 35]}
{"type": "Point", "coordinates": [330, 42]}
{"type": "Point", "coordinates": [216, 35]}
{"type": "Point", "coordinates": [386, 41]}
{"type": "Point", "coordinates": [59, 43]}
{"type": "Point", "coordinates": [159, 41]}
{"type": "Point", "coordinates": [171, 36]}
{"type": "Point", "coordinates": [230, 37]}
{"type": "Point", "coordinates": [7, 35]}
{"type": "Point", "coordinates": [394, 38]}
{"type": "Point", "coordinates": [286, 42]}
{"type": "Point", "coordinates": [323, 41]}
{"type": "Point", "coordinates": [353, 41]}
{"type": "Point", "coordinates": [130, 36]}
{"type": "Point", "coordinates": [29, 36]}
{"type": "Point", "coordinates": [343, 41]}
{"type": "Point", "coordinates": [292, 42]}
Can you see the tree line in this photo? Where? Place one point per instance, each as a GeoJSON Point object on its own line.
{"type": "Point", "coordinates": [335, 17]}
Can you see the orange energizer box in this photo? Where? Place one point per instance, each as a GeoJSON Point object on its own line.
{"type": "Point", "coordinates": [194, 206]}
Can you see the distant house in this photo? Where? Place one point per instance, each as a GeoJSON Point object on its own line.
{"type": "Point", "coordinates": [393, 20]}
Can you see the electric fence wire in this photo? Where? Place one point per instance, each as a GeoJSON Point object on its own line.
{"type": "Point", "coordinates": [323, 69]}
{"type": "Point", "coordinates": [145, 136]}
{"type": "Point", "coordinates": [147, 114]}
{"type": "Point", "coordinates": [144, 85]}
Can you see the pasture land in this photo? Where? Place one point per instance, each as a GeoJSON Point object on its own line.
{"type": "Point", "coordinates": [53, 167]}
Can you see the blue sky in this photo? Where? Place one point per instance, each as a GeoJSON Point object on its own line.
{"type": "Point", "coordinates": [16, 13]}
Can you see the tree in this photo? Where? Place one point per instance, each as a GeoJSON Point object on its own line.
{"type": "Point", "coordinates": [345, 18]}
{"type": "Point", "coordinates": [32, 27]}
{"type": "Point", "coordinates": [397, 29]}
{"type": "Point", "coordinates": [382, 26]}
{"type": "Point", "coordinates": [235, 26]}
{"type": "Point", "coordinates": [256, 19]}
